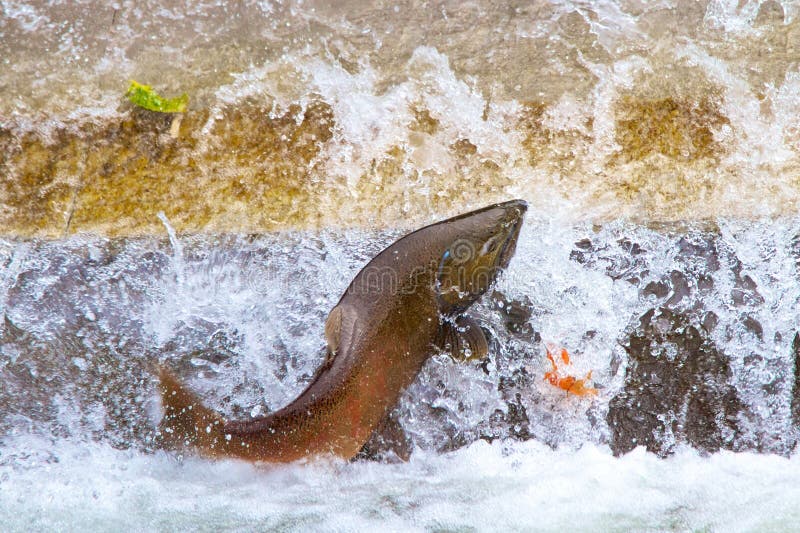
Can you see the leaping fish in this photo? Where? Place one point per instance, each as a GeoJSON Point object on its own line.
{"type": "Point", "coordinates": [406, 303]}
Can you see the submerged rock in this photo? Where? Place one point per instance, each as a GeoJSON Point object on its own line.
{"type": "Point", "coordinates": [677, 387]}
{"type": "Point", "coordinates": [700, 366]}
{"type": "Point", "coordinates": [796, 384]}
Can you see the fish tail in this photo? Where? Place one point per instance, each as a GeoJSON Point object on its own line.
{"type": "Point", "coordinates": [187, 423]}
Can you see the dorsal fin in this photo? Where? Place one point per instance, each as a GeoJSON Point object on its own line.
{"type": "Point", "coordinates": [333, 329]}
{"type": "Point", "coordinates": [339, 333]}
{"type": "Point", "coordinates": [340, 327]}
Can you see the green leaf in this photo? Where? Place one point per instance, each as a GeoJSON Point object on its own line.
{"type": "Point", "coordinates": [144, 96]}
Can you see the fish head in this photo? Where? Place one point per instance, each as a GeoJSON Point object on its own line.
{"type": "Point", "coordinates": [483, 244]}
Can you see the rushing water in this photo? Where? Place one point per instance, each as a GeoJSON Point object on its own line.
{"type": "Point", "coordinates": [656, 143]}
{"type": "Point", "coordinates": [526, 487]}
{"type": "Point", "coordinates": [241, 319]}
{"type": "Point", "coordinates": [310, 115]}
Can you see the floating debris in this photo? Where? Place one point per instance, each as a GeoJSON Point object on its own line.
{"type": "Point", "coordinates": [571, 384]}
{"type": "Point", "coordinates": [145, 97]}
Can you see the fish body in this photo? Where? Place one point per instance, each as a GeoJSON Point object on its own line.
{"type": "Point", "coordinates": [404, 303]}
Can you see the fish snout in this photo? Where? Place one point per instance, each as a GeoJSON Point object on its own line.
{"type": "Point", "coordinates": [515, 212]}
{"type": "Point", "coordinates": [520, 206]}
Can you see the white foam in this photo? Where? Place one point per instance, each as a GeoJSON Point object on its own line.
{"type": "Point", "coordinates": [25, 15]}
{"type": "Point", "coordinates": [488, 487]}
{"type": "Point", "coordinates": [732, 16]}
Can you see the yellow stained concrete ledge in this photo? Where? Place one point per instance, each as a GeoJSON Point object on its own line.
{"type": "Point", "coordinates": [250, 173]}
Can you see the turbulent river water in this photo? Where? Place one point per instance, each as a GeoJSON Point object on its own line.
{"type": "Point", "coordinates": [656, 143]}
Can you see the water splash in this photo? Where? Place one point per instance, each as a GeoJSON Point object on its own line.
{"type": "Point", "coordinates": [310, 118]}
{"type": "Point", "coordinates": [566, 104]}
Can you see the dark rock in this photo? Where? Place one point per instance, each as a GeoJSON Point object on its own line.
{"type": "Point", "coordinates": [745, 291]}
{"type": "Point", "coordinates": [703, 250]}
{"type": "Point", "coordinates": [710, 321]}
{"type": "Point", "coordinates": [516, 315]}
{"type": "Point", "coordinates": [676, 388]}
{"type": "Point", "coordinates": [623, 259]}
{"type": "Point", "coordinates": [796, 387]}
{"type": "Point", "coordinates": [753, 326]}
{"type": "Point", "coordinates": [517, 421]}
{"type": "Point", "coordinates": [659, 289]}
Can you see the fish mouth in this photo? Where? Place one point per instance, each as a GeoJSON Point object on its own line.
{"type": "Point", "coordinates": [515, 213]}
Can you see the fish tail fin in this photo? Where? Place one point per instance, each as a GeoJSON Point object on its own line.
{"type": "Point", "coordinates": [187, 423]}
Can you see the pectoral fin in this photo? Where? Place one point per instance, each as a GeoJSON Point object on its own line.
{"type": "Point", "coordinates": [463, 339]}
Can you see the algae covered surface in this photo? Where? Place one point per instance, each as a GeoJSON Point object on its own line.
{"type": "Point", "coordinates": [115, 178]}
